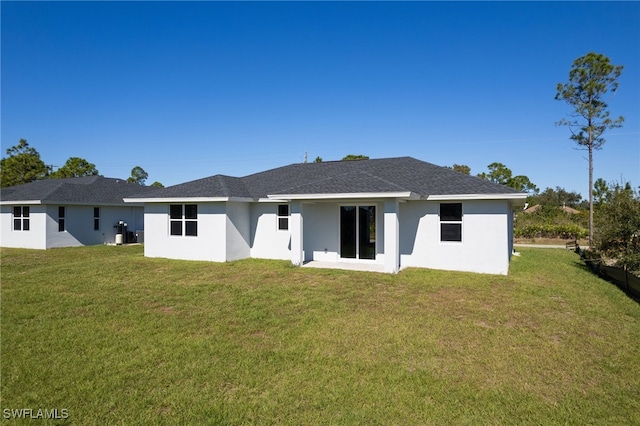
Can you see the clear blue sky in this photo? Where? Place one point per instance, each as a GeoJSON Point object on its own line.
{"type": "Point", "coordinates": [189, 90]}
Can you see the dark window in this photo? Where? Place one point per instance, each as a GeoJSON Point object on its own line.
{"type": "Point", "coordinates": [175, 214]}
{"type": "Point", "coordinates": [191, 228]}
{"type": "Point", "coordinates": [450, 232]}
{"type": "Point", "coordinates": [175, 210]}
{"type": "Point", "coordinates": [21, 218]}
{"type": "Point", "coordinates": [17, 218]}
{"type": "Point", "coordinates": [96, 218]}
{"type": "Point", "coordinates": [451, 222]}
{"type": "Point", "coordinates": [450, 212]}
{"type": "Point", "coordinates": [183, 219]}
{"type": "Point", "coordinates": [176, 227]}
{"type": "Point", "coordinates": [191, 211]}
{"type": "Point", "coordinates": [25, 218]}
{"type": "Point", "coordinates": [61, 218]}
{"type": "Point", "coordinates": [283, 217]}
{"type": "Point", "coordinates": [191, 223]}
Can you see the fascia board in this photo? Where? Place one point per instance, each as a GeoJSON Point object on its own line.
{"type": "Point", "coordinates": [187, 200]}
{"type": "Point", "coordinates": [21, 202]}
{"type": "Point", "coordinates": [451, 197]}
{"type": "Point", "coordinates": [61, 203]}
{"type": "Point", "coordinates": [342, 196]}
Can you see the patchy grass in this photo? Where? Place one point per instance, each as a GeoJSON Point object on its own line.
{"type": "Point", "coordinates": [115, 338]}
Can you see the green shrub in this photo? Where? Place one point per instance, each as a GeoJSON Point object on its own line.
{"type": "Point", "coordinates": [546, 230]}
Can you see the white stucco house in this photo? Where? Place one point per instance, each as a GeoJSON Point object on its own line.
{"type": "Point", "coordinates": [68, 212]}
{"type": "Point", "coordinates": [381, 214]}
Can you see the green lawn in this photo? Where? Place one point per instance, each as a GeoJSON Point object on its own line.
{"type": "Point", "coordinates": [115, 338]}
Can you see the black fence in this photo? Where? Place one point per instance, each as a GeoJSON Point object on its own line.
{"type": "Point", "coordinates": [622, 278]}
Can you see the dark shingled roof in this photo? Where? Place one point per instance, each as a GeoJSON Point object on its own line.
{"type": "Point", "coordinates": [94, 190]}
{"type": "Point", "coordinates": [214, 186]}
{"type": "Point", "coordinates": [387, 175]}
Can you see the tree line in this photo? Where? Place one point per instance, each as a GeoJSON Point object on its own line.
{"type": "Point", "coordinates": [23, 165]}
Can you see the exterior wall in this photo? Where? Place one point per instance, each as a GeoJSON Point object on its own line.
{"type": "Point", "coordinates": [322, 231]}
{"type": "Point", "coordinates": [238, 231]}
{"type": "Point", "coordinates": [267, 242]}
{"type": "Point", "coordinates": [32, 239]}
{"type": "Point", "coordinates": [79, 230]}
{"type": "Point", "coordinates": [79, 224]}
{"type": "Point", "coordinates": [209, 244]}
{"type": "Point", "coordinates": [485, 237]}
{"type": "Point", "coordinates": [231, 231]}
{"type": "Point", "coordinates": [321, 228]}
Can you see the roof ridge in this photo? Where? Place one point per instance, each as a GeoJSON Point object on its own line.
{"type": "Point", "coordinates": [54, 188]}
{"type": "Point", "coordinates": [386, 181]}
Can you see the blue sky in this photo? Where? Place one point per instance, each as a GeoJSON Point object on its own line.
{"type": "Point", "coordinates": [189, 90]}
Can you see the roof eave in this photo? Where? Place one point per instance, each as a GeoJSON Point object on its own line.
{"type": "Point", "coordinates": [492, 196]}
{"type": "Point", "coordinates": [60, 203]}
{"type": "Point", "coordinates": [21, 202]}
{"type": "Point", "coordinates": [187, 199]}
{"type": "Point", "coordinates": [343, 196]}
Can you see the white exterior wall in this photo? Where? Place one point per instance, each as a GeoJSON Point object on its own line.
{"type": "Point", "coordinates": [322, 231]}
{"type": "Point", "coordinates": [32, 239]}
{"type": "Point", "coordinates": [79, 224]}
{"type": "Point", "coordinates": [209, 244]}
{"type": "Point", "coordinates": [233, 230]}
{"type": "Point", "coordinates": [485, 245]}
{"type": "Point", "coordinates": [78, 231]}
{"type": "Point", "coordinates": [267, 242]}
{"type": "Point", "coordinates": [238, 231]}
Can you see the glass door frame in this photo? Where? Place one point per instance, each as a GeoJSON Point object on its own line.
{"type": "Point", "coordinates": [356, 227]}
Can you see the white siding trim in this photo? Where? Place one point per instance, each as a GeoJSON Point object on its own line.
{"type": "Point", "coordinates": [460, 197]}
{"type": "Point", "coordinates": [342, 196]}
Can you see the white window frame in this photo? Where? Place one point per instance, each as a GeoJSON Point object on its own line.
{"type": "Point", "coordinates": [22, 218]}
{"type": "Point", "coordinates": [183, 220]}
{"type": "Point", "coordinates": [357, 259]}
{"type": "Point", "coordinates": [451, 222]}
{"type": "Point", "coordinates": [285, 218]}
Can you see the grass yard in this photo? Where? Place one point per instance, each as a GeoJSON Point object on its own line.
{"type": "Point", "coordinates": [115, 338]}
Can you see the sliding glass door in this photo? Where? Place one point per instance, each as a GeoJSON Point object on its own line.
{"type": "Point", "coordinates": [358, 232]}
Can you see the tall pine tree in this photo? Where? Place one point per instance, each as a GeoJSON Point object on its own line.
{"type": "Point", "coordinates": [590, 78]}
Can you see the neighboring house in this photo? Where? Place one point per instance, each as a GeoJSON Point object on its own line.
{"type": "Point", "coordinates": [68, 212]}
{"type": "Point", "coordinates": [384, 214]}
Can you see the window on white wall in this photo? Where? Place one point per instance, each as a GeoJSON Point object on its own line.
{"type": "Point", "coordinates": [451, 222]}
{"type": "Point", "coordinates": [21, 221]}
{"type": "Point", "coordinates": [61, 219]}
{"type": "Point", "coordinates": [96, 218]}
{"type": "Point", "coordinates": [183, 219]}
{"type": "Point", "coordinates": [283, 217]}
